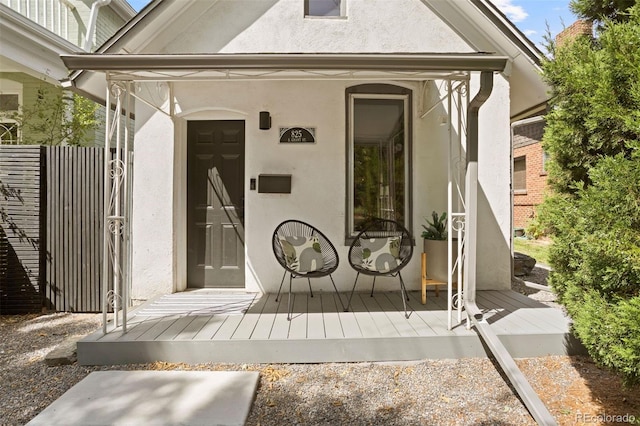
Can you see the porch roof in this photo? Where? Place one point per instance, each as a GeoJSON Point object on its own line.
{"type": "Point", "coordinates": [136, 63]}
{"type": "Point", "coordinates": [274, 66]}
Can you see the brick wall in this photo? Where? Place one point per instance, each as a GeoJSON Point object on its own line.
{"type": "Point", "coordinates": [527, 143]}
{"type": "Point", "coordinates": [578, 28]}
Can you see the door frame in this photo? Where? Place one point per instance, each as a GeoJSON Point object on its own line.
{"type": "Point", "coordinates": [180, 188]}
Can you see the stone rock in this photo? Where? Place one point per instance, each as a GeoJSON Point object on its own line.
{"type": "Point", "coordinates": [522, 264]}
{"type": "Point", "coordinates": [63, 354]}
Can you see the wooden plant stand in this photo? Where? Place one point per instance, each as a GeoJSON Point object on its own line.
{"type": "Point", "coordinates": [428, 281]}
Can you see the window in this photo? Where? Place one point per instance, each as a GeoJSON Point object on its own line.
{"type": "Point", "coordinates": [545, 158]}
{"type": "Point", "coordinates": [8, 133]}
{"type": "Point", "coordinates": [378, 155]}
{"type": "Point", "coordinates": [520, 174]}
{"type": "Point", "coordinates": [9, 104]}
{"type": "Point", "coordinates": [323, 8]}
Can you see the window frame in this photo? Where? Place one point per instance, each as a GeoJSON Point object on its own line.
{"type": "Point", "coordinates": [378, 91]}
{"type": "Point", "coordinates": [518, 190]}
{"type": "Point", "coordinates": [3, 126]}
{"type": "Point", "coordinates": [545, 158]}
{"type": "Point", "coordinates": [342, 12]}
{"type": "Point", "coordinates": [11, 88]}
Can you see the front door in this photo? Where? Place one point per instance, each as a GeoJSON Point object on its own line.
{"type": "Point", "coordinates": [215, 203]}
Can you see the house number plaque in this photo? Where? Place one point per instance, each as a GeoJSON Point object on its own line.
{"type": "Point", "coordinates": [297, 135]}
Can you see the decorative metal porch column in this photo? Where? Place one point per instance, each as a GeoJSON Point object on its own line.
{"type": "Point", "coordinates": [457, 97]}
{"type": "Point", "coordinates": [458, 102]}
{"type": "Point", "coordinates": [116, 276]}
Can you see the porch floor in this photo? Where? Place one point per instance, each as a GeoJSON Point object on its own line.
{"type": "Point", "coordinates": [212, 326]}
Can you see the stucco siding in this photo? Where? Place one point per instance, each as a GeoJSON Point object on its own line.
{"type": "Point", "coordinates": [280, 26]}
{"type": "Point", "coordinates": [153, 232]}
{"type": "Point", "coordinates": [318, 178]}
{"type": "Point", "coordinates": [494, 191]}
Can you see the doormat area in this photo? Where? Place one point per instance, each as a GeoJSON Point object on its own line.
{"type": "Point", "coordinates": [155, 398]}
{"type": "Point", "coordinates": [198, 303]}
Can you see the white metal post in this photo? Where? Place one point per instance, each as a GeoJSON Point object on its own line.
{"type": "Point", "coordinates": [105, 217]}
{"type": "Point", "coordinates": [116, 205]}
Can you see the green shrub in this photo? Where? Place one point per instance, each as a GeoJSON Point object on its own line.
{"type": "Point", "coordinates": [536, 229]}
{"type": "Point", "coordinates": [611, 331]}
{"type": "Point", "coordinates": [596, 261]}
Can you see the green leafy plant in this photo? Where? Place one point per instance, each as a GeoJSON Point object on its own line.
{"type": "Point", "coordinates": [436, 228]}
{"type": "Point", "coordinates": [56, 117]}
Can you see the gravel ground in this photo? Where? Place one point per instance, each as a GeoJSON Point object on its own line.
{"type": "Point", "coordinates": [430, 392]}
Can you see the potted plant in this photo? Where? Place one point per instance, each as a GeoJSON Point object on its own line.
{"type": "Point", "coordinates": [435, 246]}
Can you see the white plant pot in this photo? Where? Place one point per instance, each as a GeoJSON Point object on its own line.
{"type": "Point", "coordinates": [436, 251]}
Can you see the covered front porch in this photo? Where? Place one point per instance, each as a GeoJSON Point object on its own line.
{"type": "Point", "coordinates": [222, 326]}
{"type": "Point", "coordinates": [439, 147]}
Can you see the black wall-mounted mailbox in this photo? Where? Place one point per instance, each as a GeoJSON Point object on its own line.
{"type": "Point", "coordinates": [274, 184]}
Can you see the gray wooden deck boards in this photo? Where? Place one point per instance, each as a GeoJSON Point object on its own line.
{"type": "Point", "coordinates": [209, 326]}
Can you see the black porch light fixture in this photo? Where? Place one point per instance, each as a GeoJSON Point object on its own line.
{"type": "Point", "coordinates": [265, 120]}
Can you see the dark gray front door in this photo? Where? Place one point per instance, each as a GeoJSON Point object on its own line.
{"type": "Point", "coordinates": [215, 203]}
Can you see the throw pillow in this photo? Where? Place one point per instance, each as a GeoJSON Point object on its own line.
{"type": "Point", "coordinates": [302, 254]}
{"type": "Point", "coordinates": [380, 254]}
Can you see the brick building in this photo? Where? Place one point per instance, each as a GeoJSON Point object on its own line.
{"type": "Point", "coordinates": [529, 174]}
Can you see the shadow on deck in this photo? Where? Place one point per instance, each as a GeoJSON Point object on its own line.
{"type": "Point", "coordinates": [208, 326]}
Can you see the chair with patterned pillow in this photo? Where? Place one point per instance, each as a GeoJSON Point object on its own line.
{"type": "Point", "coordinates": [381, 249]}
{"type": "Point", "coordinates": [304, 252]}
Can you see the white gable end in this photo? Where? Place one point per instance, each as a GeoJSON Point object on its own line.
{"type": "Point", "coordinates": [257, 26]}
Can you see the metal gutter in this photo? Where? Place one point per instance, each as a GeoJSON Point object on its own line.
{"type": "Point", "coordinates": [279, 61]}
{"type": "Point", "coordinates": [527, 394]}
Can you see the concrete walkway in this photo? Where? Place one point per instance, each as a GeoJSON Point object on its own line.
{"type": "Point", "coordinates": [155, 398]}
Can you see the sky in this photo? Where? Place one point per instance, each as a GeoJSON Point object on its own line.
{"type": "Point", "coordinates": [530, 16]}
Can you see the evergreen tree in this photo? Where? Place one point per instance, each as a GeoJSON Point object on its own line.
{"type": "Point", "coordinates": [593, 139]}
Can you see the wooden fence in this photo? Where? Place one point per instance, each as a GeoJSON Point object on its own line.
{"type": "Point", "coordinates": [21, 262]}
{"type": "Point", "coordinates": [51, 228]}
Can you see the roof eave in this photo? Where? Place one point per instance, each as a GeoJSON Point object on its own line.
{"type": "Point", "coordinates": [517, 37]}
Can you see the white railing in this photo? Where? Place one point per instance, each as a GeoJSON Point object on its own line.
{"type": "Point", "coordinates": [54, 15]}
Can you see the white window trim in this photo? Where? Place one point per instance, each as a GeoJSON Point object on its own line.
{"type": "Point", "coordinates": [351, 154]}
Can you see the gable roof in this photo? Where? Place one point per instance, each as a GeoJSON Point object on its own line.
{"type": "Point", "coordinates": [478, 22]}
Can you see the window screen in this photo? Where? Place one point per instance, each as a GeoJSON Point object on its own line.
{"type": "Point", "coordinates": [520, 174]}
{"type": "Point", "coordinates": [323, 7]}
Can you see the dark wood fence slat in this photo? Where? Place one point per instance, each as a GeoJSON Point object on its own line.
{"type": "Point", "coordinates": [20, 239]}
{"type": "Point", "coordinates": [54, 197]}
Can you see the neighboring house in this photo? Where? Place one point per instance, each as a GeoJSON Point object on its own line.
{"type": "Point", "coordinates": [529, 172]}
{"type": "Point", "coordinates": [34, 34]}
{"type": "Point", "coordinates": [402, 101]}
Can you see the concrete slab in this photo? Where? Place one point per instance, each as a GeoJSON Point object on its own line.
{"type": "Point", "coordinates": [155, 398]}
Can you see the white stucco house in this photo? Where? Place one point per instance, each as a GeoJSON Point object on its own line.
{"type": "Point", "coordinates": [405, 106]}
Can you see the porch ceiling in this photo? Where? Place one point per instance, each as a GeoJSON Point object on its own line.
{"type": "Point", "coordinates": [403, 66]}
